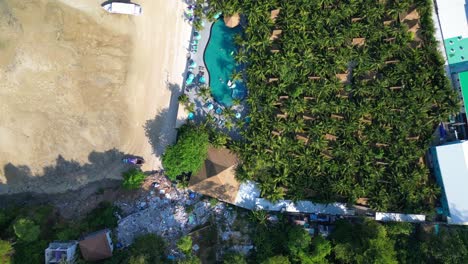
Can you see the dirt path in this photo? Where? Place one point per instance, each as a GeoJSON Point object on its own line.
{"type": "Point", "coordinates": [81, 88]}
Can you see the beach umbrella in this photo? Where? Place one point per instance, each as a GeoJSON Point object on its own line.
{"type": "Point", "coordinates": [202, 79]}
{"type": "Point", "coordinates": [197, 35]}
{"type": "Point", "coordinates": [219, 111]}
{"type": "Point", "coordinates": [238, 115]}
{"type": "Point", "coordinates": [190, 78]}
{"type": "Point", "coordinates": [232, 21]}
{"type": "Point", "coordinates": [210, 106]}
{"type": "Point", "coordinates": [191, 116]}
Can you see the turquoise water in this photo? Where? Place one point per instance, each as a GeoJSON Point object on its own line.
{"type": "Point", "coordinates": [220, 63]}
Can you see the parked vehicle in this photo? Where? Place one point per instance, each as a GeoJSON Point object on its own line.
{"type": "Point", "coordinates": [123, 8]}
{"type": "Point", "coordinates": [133, 160]}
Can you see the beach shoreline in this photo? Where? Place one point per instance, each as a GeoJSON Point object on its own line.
{"type": "Point", "coordinates": [70, 138]}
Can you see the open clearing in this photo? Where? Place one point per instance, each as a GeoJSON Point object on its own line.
{"type": "Point", "coordinates": [81, 88]}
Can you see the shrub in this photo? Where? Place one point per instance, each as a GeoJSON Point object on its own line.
{"type": "Point", "coordinates": [101, 217]}
{"type": "Point", "coordinates": [185, 244]}
{"type": "Point", "coordinates": [188, 154]}
{"type": "Point", "coordinates": [141, 259]}
{"type": "Point", "coordinates": [213, 202]}
{"type": "Point", "coordinates": [133, 179]}
{"type": "Point", "coordinates": [6, 251]}
{"type": "Point", "coordinates": [190, 260]}
{"type": "Point", "coordinates": [149, 247]}
{"type": "Point", "coordinates": [26, 230]}
{"type": "Point", "coordinates": [277, 260]}
{"type": "Point", "coordinates": [27, 253]}
{"type": "Point", "coordinates": [234, 258]}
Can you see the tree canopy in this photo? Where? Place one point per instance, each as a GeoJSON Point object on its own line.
{"type": "Point", "coordinates": [133, 179]}
{"type": "Point", "coordinates": [344, 100]}
{"type": "Point", "coordinates": [26, 230]}
{"type": "Point", "coordinates": [189, 152]}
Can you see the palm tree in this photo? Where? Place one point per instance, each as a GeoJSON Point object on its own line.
{"type": "Point", "coordinates": [236, 76]}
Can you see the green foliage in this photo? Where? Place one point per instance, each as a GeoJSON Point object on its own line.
{"type": "Point", "coordinates": [198, 24]}
{"type": "Point", "coordinates": [190, 260]}
{"type": "Point", "coordinates": [363, 242]}
{"type": "Point", "coordinates": [183, 99]}
{"type": "Point", "coordinates": [101, 217]}
{"type": "Point", "coordinates": [260, 216]}
{"type": "Point", "coordinates": [213, 202]}
{"type": "Point", "coordinates": [29, 252]}
{"type": "Point", "coordinates": [449, 246]}
{"type": "Point", "coordinates": [26, 230]}
{"type": "Point", "coordinates": [188, 154]}
{"type": "Point", "coordinates": [6, 218]}
{"type": "Point", "coordinates": [321, 249]}
{"type": "Point", "coordinates": [380, 132]}
{"type": "Point", "coordinates": [133, 179]}
{"type": "Point", "coordinates": [189, 208]}
{"type": "Point", "coordinates": [6, 251]}
{"type": "Point", "coordinates": [298, 241]}
{"type": "Point", "coordinates": [234, 258]}
{"type": "Point", "coordinates": [185, 244]}
{"type": "Point", "coordinates": [277, 260]}
{"type": "Point", "coordinates": [141, 259]}
{"type": "Point", "coordinates": [218, 139]}
{"type": "Point", "coordinates": [149, 248]}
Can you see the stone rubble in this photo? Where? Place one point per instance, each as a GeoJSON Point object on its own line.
{"type": "Point", "coordinates": [166, 211]}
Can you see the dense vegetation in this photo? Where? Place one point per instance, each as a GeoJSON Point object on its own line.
{"type": "Point", "coordinates": [189, 152]}
{"type": "Point", "coordinates": [26, 231]}
{"type": "Point", "coordinates": [344, 101]}
{"type": "Point", "coordinates": [133, 179]}
{"type": "Point", "coordinates": [361, 241]}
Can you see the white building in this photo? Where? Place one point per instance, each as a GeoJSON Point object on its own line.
{"type": "Point", "coordinates": [450, 163]}
{"type": "Point", "coordinates": [61, 251]}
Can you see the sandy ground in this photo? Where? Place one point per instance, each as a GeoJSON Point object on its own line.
{"type": "Point", "coordinates": [80, 88]}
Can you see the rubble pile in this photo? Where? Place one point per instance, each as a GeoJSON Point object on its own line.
{"type": "Point", "coordinates": [164, 210]}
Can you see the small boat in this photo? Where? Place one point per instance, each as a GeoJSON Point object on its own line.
{"type": "Point", "coordinates": [123, 8]}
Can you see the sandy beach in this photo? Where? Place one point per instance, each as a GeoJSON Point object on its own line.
{"type": "Point", "coordinates": [81, 88]}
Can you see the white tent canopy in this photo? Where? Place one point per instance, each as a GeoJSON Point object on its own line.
{"type": "Point", "coordinates": [303, 207]}
{"type": "Point", "coordinates": [395, 217]}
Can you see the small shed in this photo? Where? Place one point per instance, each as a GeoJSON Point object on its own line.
{"type": "Point", "coordinates": [97, 245]}
{"type": "Point", "coordinates": [57, 252]}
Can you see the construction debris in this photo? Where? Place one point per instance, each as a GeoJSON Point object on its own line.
{"type": "Point", "coordinates": [166, 211]}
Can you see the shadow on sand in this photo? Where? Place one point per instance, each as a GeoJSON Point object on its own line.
{"type": "Point", "coordinates": [64, 175]}
{"type": "Point", "coordinates": [161, 130]}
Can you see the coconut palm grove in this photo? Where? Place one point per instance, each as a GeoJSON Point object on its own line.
{"type": "Point", "coordinates": [344, 99]}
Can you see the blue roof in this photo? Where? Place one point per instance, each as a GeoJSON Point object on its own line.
{"type": "Point", "coordinates": [453, 168]}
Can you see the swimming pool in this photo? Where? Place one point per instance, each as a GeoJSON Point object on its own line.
{"type": "Point", "coordinates": [220, 63]}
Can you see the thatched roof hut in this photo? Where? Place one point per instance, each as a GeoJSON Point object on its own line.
{"type": "Point", "coordinates": [232, 21]}
{"type": "Point", "coordinates": [217, 176]}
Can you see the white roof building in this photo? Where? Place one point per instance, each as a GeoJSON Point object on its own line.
{"type": "Point", "coordinates": [303, 207]}
{"type": "Point", "coordinates": [396, 217]}
{"type": "Point", "coordinates": [452, 17]}
{"type": "Point", "coordinates": [451, 169]}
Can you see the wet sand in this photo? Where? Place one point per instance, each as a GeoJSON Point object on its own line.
{"type": "Point", "coordinates": [80, 88]}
